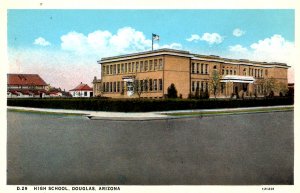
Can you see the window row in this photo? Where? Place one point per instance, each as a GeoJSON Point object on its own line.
{"type": "Point", "coordinates": [257, 72]}
{"type": "Point", "coordinates": [254, 72]}
{"type": "Point", "coordinates": [147, 85]}
{"type": "Point", "coordinates": [201, 85]}
{"type": "Point", "coordinates": [198, 68]}
{"type": "Point", "coordinates": [131, 67]}
{"type": "Point", "coordinates": [228, 71]}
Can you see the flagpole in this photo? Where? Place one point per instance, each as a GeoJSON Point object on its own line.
{"type": "Point", "coordinates": [152, 42]}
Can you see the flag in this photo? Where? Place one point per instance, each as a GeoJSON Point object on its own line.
{"type": "Point", "coordinates": [155, 37]}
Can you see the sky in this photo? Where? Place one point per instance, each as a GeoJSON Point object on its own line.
{"type": "Point", "coordinates": [63, 46]}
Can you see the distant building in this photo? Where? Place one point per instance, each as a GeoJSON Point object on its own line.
{"type": "Point", "coordinates": [97, 87]}
{"type": "Point", "coordinates": [149, 74]}
{"type": "Point", "coordinates": [26, 85]}
{"type": "Point", "coordinates": [82, 90]}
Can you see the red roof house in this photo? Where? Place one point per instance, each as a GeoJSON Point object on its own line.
{"type": "Point", "coordinates": [25, 85]}
{"type": "Point", "coordinates": [25, 80]}
{"type": "Point", "coordinates": [82, 90]}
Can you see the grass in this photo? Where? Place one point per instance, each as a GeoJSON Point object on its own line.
{"type": "Point", "coordinates": [44, 112]}
{"type": "Point", "coordinates": [230, 112]}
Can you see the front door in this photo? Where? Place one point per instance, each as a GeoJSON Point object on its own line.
{"type": "Point", "coordinates": [245, 87]}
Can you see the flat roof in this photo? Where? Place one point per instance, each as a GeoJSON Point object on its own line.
{"type": "Point", "coordinates": [184, 53]}
{"type": "Point", "coordinates": [146, 52]}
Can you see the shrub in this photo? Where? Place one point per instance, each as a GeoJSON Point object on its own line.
{"type": "Point", "coordinates": [145, 105]}
{"type": "Point", "coordinates": [172, 92]}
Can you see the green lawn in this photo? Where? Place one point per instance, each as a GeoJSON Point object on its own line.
{"type": "Point", "coordinates": [229, 112]}
{"type": "Point", "coordinates": [44, 112]}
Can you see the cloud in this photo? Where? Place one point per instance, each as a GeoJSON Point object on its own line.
{"type": "Point", "coordinates": [210, 38]}
{"type": "Point", "coordinates": [238, 32]}
{"type": "Point", "coordinates": [272, 49]}
{"type": "Point", "coordinates": [238, 48]}
{"type": "Point", "coordinates": [176, 46]}
{"type": "Point", "coordinates": [104, 43]}
{"type": "Point", "coordinates": [41, 42]}
{"type": "Point", "coordinates": [194, 37]}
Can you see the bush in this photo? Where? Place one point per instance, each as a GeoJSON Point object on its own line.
{"type": "Point", "coordinates": [145, 105]}
{"type": "Point", "coordinates": [172, 92]}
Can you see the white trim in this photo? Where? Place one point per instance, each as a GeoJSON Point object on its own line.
{"type": "Point", "coordinates": [143, 56]}
{"type": "Point", "coordinates": [264, 65]}
{"type": "Point", "coordinates": [193, 57]}
{"type": "Point", "coordinates": [239, 79]}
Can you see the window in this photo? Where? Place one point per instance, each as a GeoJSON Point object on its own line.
{"type": "Point", "coordinates": [223, 71]}
{"type": "Point", "coordinates": [160, 64]}
{"type": "Point", "coordinates": [118, 86]}
{"type": "Point", "coordinates": [193, 68]}
{"type": "Point", "coordinates": [118, 69]}
{"type": "Point", "coordinates": [110, 69]}
{"type": "Point", "coordinates": [230, 72]}
{"type": "Point", "coordinates": [198, 85]}
{"type": "Point", "coordinates": [103, 69]}
{"type": "Point", "coordinates": [206, 68]}
{"type": "Point", "coordinates": [202, 68]}
{"type": "Point", "coordinates": [193, 86]}
{"type": "Point", "coordinates": [150, 85]}
{"type": "Point", "coordinates": [266, 72]}
{"type": "Point", "coordinates": [110, 87]}
{"type": "Point", "coordinates": [226, 71]}
{"type": "Point", "coordinates": [197, 68]}
{"type": "Point", "coordinates": [255, 72]}
{"type": "Point", "coordinates": [141, 66]}
{"type": "Point", "coordinates": [146, 85]}
{"type": "Point", "coordinates": [103, 87]}
{"type": "Point", "coordinates": [126, 68]}
{"type": "Point", "coordinates": [122, 86]}
{"type": "Point", "coordinates": [136, 66]}
{"type": "Point", "coordinates": [150, 65]}
{"type": "Point", "coordinates": [215, 67]}
{"type": "Point", "coordinates": [129, 67]}
{"type": "Point", "coordinates": [115, 87]}
{"type": "Point", "coordinates": [146, 66]}
{"type": "Point", "coordinates": [141, 85]}
{"type": "Point", "coordinates": [114, 72]}
{"type": "Point", "coordinates": [85, 93]}
{"type": "Point", "coordinates": [244, 72]}
{"type": "Point", "coordinates": [160, 84]}
{"type": "Point", "coordinates": [155, 64]}
{"type": "Point", "coordinates": [234, 72]}
{"type": "Point", "coordinates": [202, 86]}
{"type": "Point", "coordinates": [262, 72]}
{"type": "Point", "coordinates": [106, 69]}
{"type": "Point", "coordinates": [107, 87]}
{"type": "Point", "coordinates": [122, 68]}
{"type": "Point", "coordinates": [132, 66]}
{"type": "Point", "coordinates": [155, 84]}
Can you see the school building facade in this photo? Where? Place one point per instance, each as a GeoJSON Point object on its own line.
{"type": "Point", "coordinates": [149, 74]}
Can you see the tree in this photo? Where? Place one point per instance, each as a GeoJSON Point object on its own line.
{"type": "Point", "coordinates": [282, 88]}
{"type": "Point", "coordinates": [172, 92]}
{"type": "Point", "coordinates": [137, 87]}
{"type": "Point", "coordinates": [215, 82]}
{"type": "Point", "coordinates": [197, 93]}
{"type": "Point", "coordinates": [268, 84]}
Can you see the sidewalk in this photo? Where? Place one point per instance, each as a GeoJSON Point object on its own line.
{"type": "Point", "coordinates": [102, 115]}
